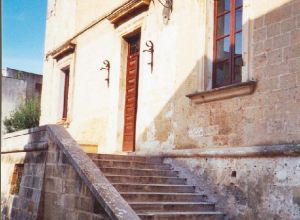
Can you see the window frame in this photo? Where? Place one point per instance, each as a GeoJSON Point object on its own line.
{"type": "Point", "coordinates": [232, 41]}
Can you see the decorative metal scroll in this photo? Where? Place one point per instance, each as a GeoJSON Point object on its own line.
{"type": "Point", "coordinates": [106, 67]}
{"type": "Point", "coordinates": [168, 8]}
{"type": "Point", "coordinates": [150, 49]}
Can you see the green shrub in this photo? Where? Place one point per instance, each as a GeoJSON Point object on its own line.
{"type": "Point", "coordinates": [27, 115]}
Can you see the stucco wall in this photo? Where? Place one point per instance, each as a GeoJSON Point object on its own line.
{"type": "Point", "coordinates": [166, 118]}
{"type": "Point", "coordinates": [18, 86]}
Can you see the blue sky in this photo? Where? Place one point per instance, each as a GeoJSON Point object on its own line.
{"type": "Point", "coordinates": [23, 34]}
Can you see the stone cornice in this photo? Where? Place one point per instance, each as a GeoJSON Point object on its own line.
{"type": "Point", "coordinates": [284, 150]}
{"type": "Point", "coordinates": [126, 10]}
{"type": "Point", "coordinates": [225, 92]}
{"type": "Point", "coordinates": [138, 4]}
{"type": "Point", "coordinates": [62, 51]}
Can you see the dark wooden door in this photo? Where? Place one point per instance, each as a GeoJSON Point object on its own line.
{"type": "Point", "coordinates": [66, 93]}
{"type": "Point", "coordinates": [131, 93]}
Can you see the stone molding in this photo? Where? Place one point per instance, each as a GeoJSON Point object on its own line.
{"type": "Point", "coordinates": [63, 51]}
{"type": "Point", "coordinates": [225, 92]}
{"type": "Point", "coordinates": [124, 11]}
{"type": "Point", "coordinates": [109, 198]}
{"type": "Point", "coordinates": [288, 150]}
{"type": "Point", "coordinates": [27, 140]}
{"type": "Point", "coordinates": [91, 25]}
{"type": "Point", "coordinates": [23, 132]}
{"type": "Point", "coordinates": [42, 146]}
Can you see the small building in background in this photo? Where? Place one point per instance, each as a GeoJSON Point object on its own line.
{"type": "Point", "coordinates": [17, 87]}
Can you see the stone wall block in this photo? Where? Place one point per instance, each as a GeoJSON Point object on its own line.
{"type": "Point", "coordinates": [273, 30]}
{"type": "Point", "coordinates": [260, 60]}
{"type": "Point", "coordinates": [72, 187]}
{"type": "Point", "coordinates": [36, 182]}
{"type": "Point", "coordinates": [278, 14]}
{"type": "Point", "coordinates": [298, 21]}
{"type": "Point", "coordinates": [53, 185]}
{"type": "Point", "coordinates": [277, 69]}
{"type": "Point", "coordinates": [294, 65]}
{"type": "Point", "coordinates": [282, 41]}
{"type": "Point", "coordinates": [85, 191]}
{"type": "Point", "coordinates": [259, 22]}
{"type": "Point", "coordinates": [295, 37]}
{"type": "Point", "coordinates": [260, 34]}
{"type": "Point", "coordinates": [85, 204]}
{"type": "Point", "coordinates": [295, 51]}
{"type": "Point", "coordinates": [288, 25]}
{"type": "Point", "coordinates": [36, 195]}
{"type": "Point", "coordinates": [98, 217]}
{"type": "Point", "coordinates": [27, 181]}
{"type": "Point", "coordinates": [52, 157]}
{"type": "Point", "coordinates": [288, 81]}
{"type": "Point", "coordinates": [258, 47]}
{"type": "Point", "coordinates": [84, 215]}
{"type": "Point", "coordinates": [275, 56]}
{"type": "Point", "coordinates": [296, 8]}
{"type": "Point", "coordinates": [69, 201]}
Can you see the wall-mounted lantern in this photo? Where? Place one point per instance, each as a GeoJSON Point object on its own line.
{"type": "Point", "coordinates": [106, 67]}
{"type": "Point", "coordinates": [150, 49]}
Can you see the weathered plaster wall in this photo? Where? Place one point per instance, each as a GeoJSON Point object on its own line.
{"type": "Point", "coordinates": [247, 188]}
{"type": "Point", "coordinates": [166, 119]}
{"type": "Point", "coordinates": [18, 86]}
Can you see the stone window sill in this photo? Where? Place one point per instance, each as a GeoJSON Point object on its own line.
{"type": "Point", "coordinates": [225, 92]}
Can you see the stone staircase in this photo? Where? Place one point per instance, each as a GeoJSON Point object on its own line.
{"type": "Point", "coordinates": [153, 189]}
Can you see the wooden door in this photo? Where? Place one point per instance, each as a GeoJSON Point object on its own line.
{"type": "Point", "coordinates": [66, 93]}
{"type": "Point", "coordinates": [131, 93]}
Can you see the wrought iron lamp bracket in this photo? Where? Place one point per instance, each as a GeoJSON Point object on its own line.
{"type": "Point", "coordinates": [168, 8]}
{"type": "Point", "coordinates": [106, 64]}
{"type": "Point", "coordinates": [150, 49]}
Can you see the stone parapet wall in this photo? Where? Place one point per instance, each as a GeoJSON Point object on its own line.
{"type": "Point", "coordinates": [24, 153]}
{"type": "Point", "coordinates": [65, 195]}
{"type": "Point", "coordinates": [247, 188]}
{"type": "Point", "coordinates": [58, 180]}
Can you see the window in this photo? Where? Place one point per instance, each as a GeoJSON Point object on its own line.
{"type": "Point", "coordinates": [66, 93]}
{"type": "Point", "coordinates": [16, 179]}
{"type": "Point", "coordinates": [227, 58]}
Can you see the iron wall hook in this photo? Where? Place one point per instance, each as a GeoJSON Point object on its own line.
{"type": "Point", "coordinates": [106, 67]}
{"type": "Point", "coordinates": [150, 49]}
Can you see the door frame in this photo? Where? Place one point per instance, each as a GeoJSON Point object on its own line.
{"type": "Point", "coordinates": [135, 33]}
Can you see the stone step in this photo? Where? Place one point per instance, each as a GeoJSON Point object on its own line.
{"type": "Point", "coordinates": [135, 164]}
{"type": "Point", "coordinates": [145, 179]}
{"type": "Point", "coordinates": [139, 172]}
{"type": "Point", "coordinates": [155, 160]}
{"type": "Point", "coordinates": [172, 206]}
{"type": "Point", "coordinates": [163, 197]}
{"type": "Point", "coordinates": [136, 187]}
{"type": "Point", "coordinates": [181, 216]}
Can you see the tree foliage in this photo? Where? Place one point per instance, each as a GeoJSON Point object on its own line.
{"type": "Point", "coordinates": [27, 115]}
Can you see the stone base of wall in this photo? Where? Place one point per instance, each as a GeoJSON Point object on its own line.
{"type": "Point", "coordinates": [46, 175]}
{"type": "Point", "coordinates": [247, 188]}
{"type": "Point", "coordinates": [65, 195]}
{"type": "Point", "coordinates": [49, 186]}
